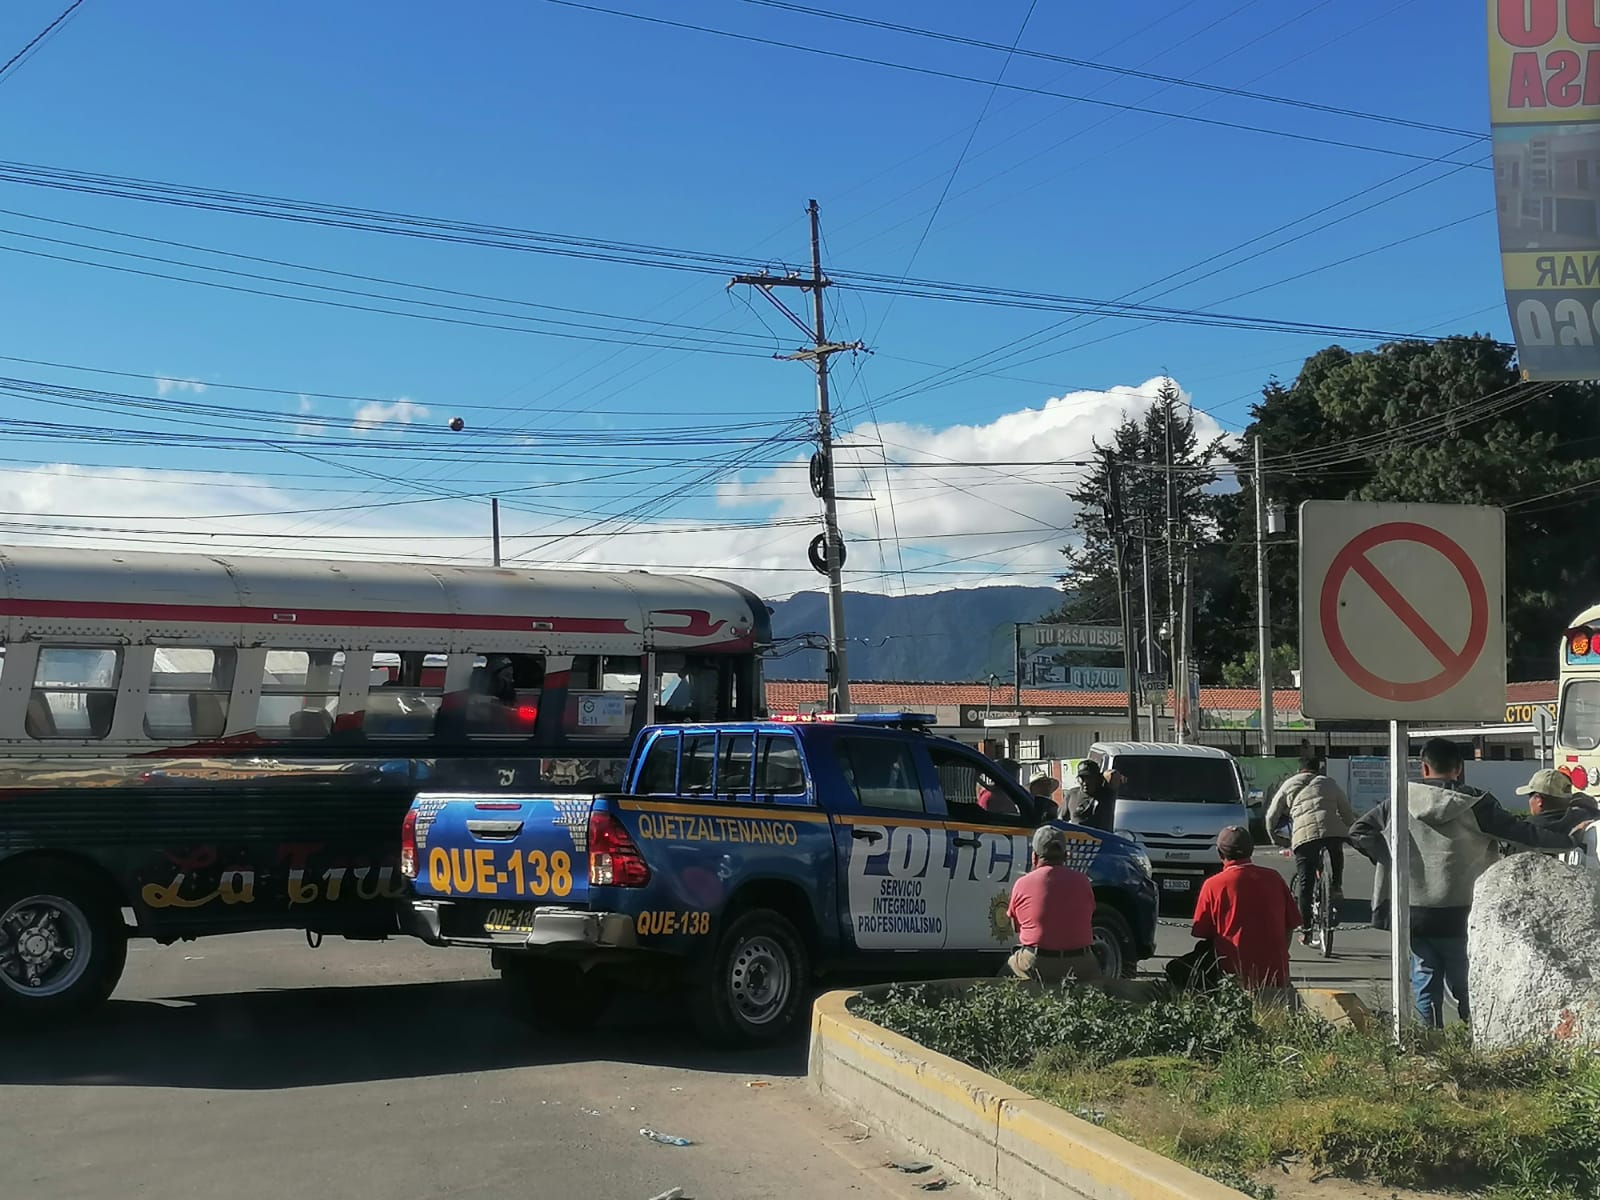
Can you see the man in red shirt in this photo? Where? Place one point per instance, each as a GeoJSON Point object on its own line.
{"type": "Point", "coordinates": [1052, 910]}
{"type": "Point", "coordinates": [1248, 914]}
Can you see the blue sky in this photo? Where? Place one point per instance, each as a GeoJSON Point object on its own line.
{"type": "Point", "coordinates": [547, 117]}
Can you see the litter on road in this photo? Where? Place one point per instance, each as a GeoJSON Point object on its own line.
{"type": "Point", "coordinates": [666, 1139]}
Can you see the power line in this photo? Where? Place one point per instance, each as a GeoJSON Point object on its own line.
{"type": "Point", "coordinates": [1126, 72]}
{"type": "Point", "coordinates": [38, 39]}
{"type": "Point", "coordinates": [1237, 126]}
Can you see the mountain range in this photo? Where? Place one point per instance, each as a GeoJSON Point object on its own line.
{"type": "Point", "coordinates": [959, 635]}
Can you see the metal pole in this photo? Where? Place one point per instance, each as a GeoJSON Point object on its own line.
{"type": "Point", "coordinates": [1149, 624]}
{"type": "Point", "coordinates": [1119, 543]}
{"type": "Point", "coordinates": [1263, 616]}
{"type": "Point", "coordinates": [1016, 664]}
{"type": "Point", "coordinates": [494, 519]}
{"type": "Point", "coordinates": [838, 670]}
{"type": "Point", "coordinates": [1184, 706]}
{"type": "Point", "coordinates": [1399, 876]}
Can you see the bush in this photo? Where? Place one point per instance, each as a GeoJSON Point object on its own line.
{"type": "Point", "coordinates": [1007, 1026]}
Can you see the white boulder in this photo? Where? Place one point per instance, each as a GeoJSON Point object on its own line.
{"type": "Point", "coordinates": [1533, 953]}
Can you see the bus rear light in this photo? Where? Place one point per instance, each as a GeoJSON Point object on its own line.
{"type": "Point", "coordinates": [1580, 779]}
{"type": "Point", "coordinates": [614, 861]}
{"type": "Point", "coordinates": [408, 845]}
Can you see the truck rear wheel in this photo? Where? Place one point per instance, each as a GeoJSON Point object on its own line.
{"type": "Point", "coordinates": [759, 976]}
{"type": "Point", "coordinates": [62, 943]}
{"type": "Point", "coordinates": [555, 995]}
{"type": "Point", "coordinates": [1113, 943]}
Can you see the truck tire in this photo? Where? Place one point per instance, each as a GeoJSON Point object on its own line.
{"type": "Point", "coordinates": [757, 981]}
{"type": "Point", "coordinates": [1113, 942]}
{"type": "Point", "coordinates": [62, 942]}
{"type": "Point", "coordinates": [554, 995]}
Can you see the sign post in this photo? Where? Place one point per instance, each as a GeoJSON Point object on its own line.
{"type": "Point", "coordinates": [1402, 618]}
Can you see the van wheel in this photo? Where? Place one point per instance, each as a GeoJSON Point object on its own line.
{"type": "Point", "coordinates": [1113, 943]}
{"type": "Point", "coordinates": [759, 976]}
{"type": "Point", "coordinates": [62, 943]}
{"type": "Point", "coordinates": [554, 995]}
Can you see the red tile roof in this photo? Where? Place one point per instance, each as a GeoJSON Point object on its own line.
{"type": "Point", "coordinates": [787, 695]}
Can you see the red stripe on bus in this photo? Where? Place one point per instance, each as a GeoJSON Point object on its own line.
{"type": "Point", "coordinates": [90, 610]}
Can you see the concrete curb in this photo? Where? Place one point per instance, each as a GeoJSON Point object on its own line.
{"type": "Point", "coordinates": [997, 1135]}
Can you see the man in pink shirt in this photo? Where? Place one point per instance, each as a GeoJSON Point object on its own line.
{"type": "Point", "coordinates": [1052, 910]}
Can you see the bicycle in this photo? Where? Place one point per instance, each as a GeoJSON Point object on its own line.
{"type": "Point", "coordinates": [1324, 913]}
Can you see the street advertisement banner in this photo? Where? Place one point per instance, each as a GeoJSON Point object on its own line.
{"type": "Point", "coordinates": [1544, 96]}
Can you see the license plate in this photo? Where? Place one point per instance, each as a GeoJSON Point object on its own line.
{"type": "Point", "coordinates": [509, 920]}
{"type": "Point", "coordinates": [1175, 885]}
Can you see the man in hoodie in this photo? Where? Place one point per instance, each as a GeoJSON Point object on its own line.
{"type": "Point", "coordinates": [1320, 817]}
{"type": "Point", "coordinates": [1455, 836]}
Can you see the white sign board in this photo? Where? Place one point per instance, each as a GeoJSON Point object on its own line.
{"type": "Point", "coordinates": [1402, 611]}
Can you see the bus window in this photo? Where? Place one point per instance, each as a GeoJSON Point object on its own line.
{"type": "Point", "coordinates": [403, 695]}
{"type": "Point", "coordinates": [300, 694]}
{"type": "Point", "coordinates": [694, 688]}
{"type": "Point", "coordinates": [602, 696]}
{"type": "Point", "coordinates": [189, 690]}
{"type": "Point", "coordinates": [1580, 714]}
{"type": "Point", "coordinates": [503, 695]}
{"type": "Point", "coordinates": [74, 692]}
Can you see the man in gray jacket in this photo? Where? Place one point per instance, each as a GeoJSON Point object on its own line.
{"type": "Point", "coordinates": [1319, 816]}
{"type": "Point", "coordinates": [1455, 836]}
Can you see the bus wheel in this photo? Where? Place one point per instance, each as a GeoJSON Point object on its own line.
{"type": "Point", "coordinates": [62, 943]}
{"type": "Point", "coordinates": [554, 995]}
{"type": "Point", "coordinates": [759, 978]}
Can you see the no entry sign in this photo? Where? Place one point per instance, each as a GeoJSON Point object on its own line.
{"type": "Point", "coordinates": [1402, 611]}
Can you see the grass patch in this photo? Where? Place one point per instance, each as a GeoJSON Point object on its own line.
{"type": "Point", "coordinates": [1233, 1090]}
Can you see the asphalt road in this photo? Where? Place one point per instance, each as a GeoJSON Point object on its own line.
{"type": "Point", "coordinates": [254, 1067]}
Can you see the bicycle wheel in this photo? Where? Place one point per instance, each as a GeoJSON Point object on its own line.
{"type": "Point", "coordinates": [1325, 904]}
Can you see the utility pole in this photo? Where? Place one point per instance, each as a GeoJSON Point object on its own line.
{"type": "Point", "coordinates": [829, 555]}
{"type": "Point", "coordinates": [1119, 542]}
{"type": "Point", "coordinates": [1149, 621]}
{"type": "Point", "coordinates": [1263, 617]}
{"type": "Point", "coordinates": [1186, 619]}
{"type": "Point", "coordinates": [1174, 661]}
{"type": "Point", "coordinates": [494, 522]}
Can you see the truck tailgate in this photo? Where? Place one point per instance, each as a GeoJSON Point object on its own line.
{"type": "Point", "coordinates": [530, 850]}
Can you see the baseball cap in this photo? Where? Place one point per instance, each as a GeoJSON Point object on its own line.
{"type": "Point", "coordinates": [1088, 767]}
{"type": "Point", "coordinates": [1049, 843]}
{"type": "Point", "coordinates": [1235, 842]}
{"type": "Point", "coordinates": [1547, 783]}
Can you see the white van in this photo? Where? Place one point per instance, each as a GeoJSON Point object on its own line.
{"type": "Point", "coordinates": [1175, 800]}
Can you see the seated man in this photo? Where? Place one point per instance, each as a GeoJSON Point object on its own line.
{"type": "Point", "coordinates": [1248, 914]}
{"type": "Point", "coordinates": [1052, 910]}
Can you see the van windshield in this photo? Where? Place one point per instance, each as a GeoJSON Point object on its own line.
{"type": "Point", "coordinates": [1177, 779]}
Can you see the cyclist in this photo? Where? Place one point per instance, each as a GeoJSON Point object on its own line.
{"type": "Point", "coordinates": [1319, 816]}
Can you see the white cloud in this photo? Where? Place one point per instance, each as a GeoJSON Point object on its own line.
{"type": "Point", "coordinates": [375, 413]}
{"type": "Point", "coordinates": [166, 385]}
{"type": "Point", "coordinates": [979, 519]}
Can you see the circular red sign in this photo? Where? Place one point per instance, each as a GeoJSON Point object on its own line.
{"type": "Point", "coordinates": [1454, 664]}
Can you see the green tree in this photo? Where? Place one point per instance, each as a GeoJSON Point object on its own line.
{"type": "Point", "coordinates": [1447, 421]}
{"type": "Point", "coordinates": [1243, 672]}
{"type": "Point", "coordinates": [1142, 446]}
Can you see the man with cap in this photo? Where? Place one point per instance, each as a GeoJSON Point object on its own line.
{"type": "Point", "coordinates": [1093, 802]}
{"type": "Point", "coordinates": [1052, 910]}
{"type": "Point", "coordinates": [1553, 805]}
{"type": "Point", "coordinates": [1248, 914]}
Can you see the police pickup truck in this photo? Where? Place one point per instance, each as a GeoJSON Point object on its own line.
{"type": "Point", "coordinates": [744, 859]}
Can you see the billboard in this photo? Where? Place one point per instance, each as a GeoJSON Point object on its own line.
{"type": "Point", "coordinates": [1072, 637]}
{"type": "Point", "coordinates": [1544, 113]}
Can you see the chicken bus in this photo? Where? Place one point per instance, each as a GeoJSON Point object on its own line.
{"type": "Point", "coordinates": [193, 744]}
